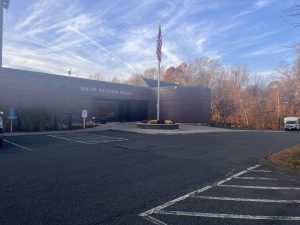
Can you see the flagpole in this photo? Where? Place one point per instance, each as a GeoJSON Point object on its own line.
{"type": "Point", "coordinates": [158, 90]}
{"type": "Point", "coordinates": [158, 52]}
{"type": "Point", "coordinates": [1, 31]}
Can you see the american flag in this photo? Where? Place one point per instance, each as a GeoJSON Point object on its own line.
{"type": "Point", "coordinates": [159, 44]}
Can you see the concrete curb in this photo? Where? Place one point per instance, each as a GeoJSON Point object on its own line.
{"type": "Point", "coordinates": [131, 127]}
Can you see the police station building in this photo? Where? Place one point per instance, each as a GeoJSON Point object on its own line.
{"type": "Point", "coordinates": [103, 100]}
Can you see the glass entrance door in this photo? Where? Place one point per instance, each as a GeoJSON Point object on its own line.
{"type": "Point", "coordinates": [122, 111]}
{"type": "Point", "coordinates": [107, 111]}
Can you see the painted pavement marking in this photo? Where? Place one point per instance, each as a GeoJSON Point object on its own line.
{"type": "Point", "coordinates": [118, 138]}
{"type": "Point", "coordinates": [160, 209]}
{"type": "Point", "coordinates": [230, 216]}
{"type": "Point", "coordinates": [261, 171]}
{"type": "Point", "coordinates": [247, 199]}
{"type": "Point", "coordinates": [172, 202]}
{"type": "Point", "coordinates": [153, 220]}
{"type": "Point", "coordinates": [67, 139]}
{"type": "Point", "coordinates": [255, 178]}
{"type": "Point", "coordinates": [93, 141]}
{"type": "Point", "coordinates": [20, 146]}
{"type": "Point", "coordinates": [259, 187]}
{"type": "Point", "coordinates": [236, 175]}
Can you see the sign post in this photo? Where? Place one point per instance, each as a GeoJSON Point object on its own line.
{"type": "Point", "coordinates": [84, 115]}
{"type": "Point", "coordinates": [12, 115]}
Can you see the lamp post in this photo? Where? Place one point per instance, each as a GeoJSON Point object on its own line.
{"type": "Point", "coordinates": [4, 5]}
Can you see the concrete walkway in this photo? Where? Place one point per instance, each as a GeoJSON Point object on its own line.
{"type": "Point", "coordinates": [131, 127]}
{"type": "Point", "coordinates": [184, 128]}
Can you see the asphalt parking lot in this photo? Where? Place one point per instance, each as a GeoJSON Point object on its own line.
{"type": "Point", "coordinates": [257, 195]}
{"type": "Point", "coordinates": [112, 177]}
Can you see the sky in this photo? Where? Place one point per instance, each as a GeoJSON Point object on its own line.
{"type": "Point", "coordinates": [118, 37]}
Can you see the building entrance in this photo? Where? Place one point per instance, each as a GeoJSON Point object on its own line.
{"type": "Point", "coordinates": [121, 111]}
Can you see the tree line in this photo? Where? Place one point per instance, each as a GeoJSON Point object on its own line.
{"type": "Point", "coordinates": [238, 98]}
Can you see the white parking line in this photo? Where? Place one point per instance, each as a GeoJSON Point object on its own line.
{"type": "Point", "coordinates": [161, 209]}
{"type": "Point", "coordinates": [261, 171]}
{"type": "Point", "coordinates": [259, 187]}
{"type": "Point", "coordinates": [118, 138]}
{"type": "Point", "coordinates": [247, 199]}
{"type": "Point", "coordinates": [158, 208]}
{"type": "Point", "coordinates": [237, 175]}
{"type": "Point", "coordinates": [111, 139]}
{"type": "Point", "coordinates": [229, 216]}
{"type": "Point", "coordinates": [255, 178]}
{"type": "Point", "coordinates": [67, 139]}
{"type": "Point", "coordinates": [172, 202]}
{"type": "Point", "coordinates": [20, 146]}
{"type": "Point", "coordinates": [155, 221]}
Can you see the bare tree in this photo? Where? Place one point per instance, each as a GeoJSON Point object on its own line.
{"type": "Point", "coordinates": [96, 76]}
{"type": "Point", "coordinates": [135, 79]}
{"type": "Point", "coordinates": [151, 73]}
{"type": "Point", "coordinates": [292, 14]}
{"type": "Point", "coordinates": [240, 78]}
{"type": "Point", "coordinates": [116, 80]}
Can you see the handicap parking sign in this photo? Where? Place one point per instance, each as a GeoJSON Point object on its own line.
{"type": "Point", "coordinates": [84, 113]}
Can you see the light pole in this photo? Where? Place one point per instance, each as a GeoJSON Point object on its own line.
{"type": "Point", "coordinates": [4, 5]}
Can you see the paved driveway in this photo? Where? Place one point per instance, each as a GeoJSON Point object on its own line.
{"type": "Point", "coordinates": [113, 177]}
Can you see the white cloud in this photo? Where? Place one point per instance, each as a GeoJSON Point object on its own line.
{"type": "Point", "coordinates": [250, 40]}
{"type": "Point", "coordinates": [260, 4]}
{"type": "Point", "coordinates": [170, 54]}
{"type": "Point", "coordinates": [45, 61]}
{"type": "Point", "coordinates": [112, 38]}
{"type": "Point", "coordinates": [74, 33]}
{"type": "Point", "coordinates": [242, 13]}
{"type": "Point", "coordinates": [268, 50]}
{"type": "Point", "coordinates": [200, 44]}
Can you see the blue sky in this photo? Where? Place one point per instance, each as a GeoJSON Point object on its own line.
{"type": "Point", "coordinates": [118, 38]}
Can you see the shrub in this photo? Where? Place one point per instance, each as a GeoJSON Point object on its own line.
{"type": "Point", "coordinates": [62, 126]}
{"type": "Point", "coordinates": [77, 125]}
{"type": "Point", "coordinates": [36, 119]}
{"type": "Point", "coordinates": [152, 122]}
{"type": "Point", "coordinates": [90, 124]}
{"type": "Point", "coordinates": [169, 122]}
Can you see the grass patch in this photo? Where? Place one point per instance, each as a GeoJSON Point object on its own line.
{"type": "Point", "coordinates": [289, 158]}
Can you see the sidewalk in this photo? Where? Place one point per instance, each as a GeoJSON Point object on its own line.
{"type": "Point", "coordinates": [184, 128]}
{"type": "Point", "coordinates": [131, 127]}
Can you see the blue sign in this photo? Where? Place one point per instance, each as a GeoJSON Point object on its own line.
{"type": "Point", "coordinates": [12, 114]}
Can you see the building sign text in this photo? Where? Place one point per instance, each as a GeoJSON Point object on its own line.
{"type": "Point", "coordinates": [106, 91]}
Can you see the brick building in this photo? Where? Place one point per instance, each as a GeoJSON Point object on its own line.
{"type": "Point", "coordinates": [104, 100]}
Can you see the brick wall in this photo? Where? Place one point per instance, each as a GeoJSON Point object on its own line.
{"type": "Point", "coordinates": [183, 104]}
{"type": "Point", "coordinates": [63, 94]}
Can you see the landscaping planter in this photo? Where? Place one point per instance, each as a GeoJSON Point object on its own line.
{"type": "Point", "coordinates": [158, 126]}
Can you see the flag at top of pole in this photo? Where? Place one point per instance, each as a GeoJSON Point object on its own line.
{"type": "Point", "coordinates": [159, 44]}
